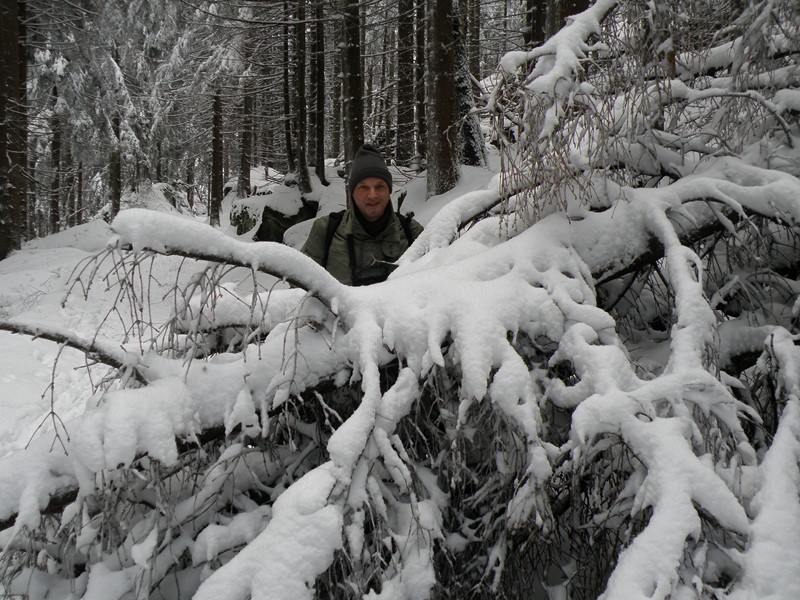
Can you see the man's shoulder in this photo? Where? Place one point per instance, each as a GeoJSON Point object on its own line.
{"type": "Point", "coordinates": [320, 225]}
{"type": "Point", "coordinates": [315, 243]}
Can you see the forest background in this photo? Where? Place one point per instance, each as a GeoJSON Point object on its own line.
{"type": "Point", "coordinates": [598, 388]}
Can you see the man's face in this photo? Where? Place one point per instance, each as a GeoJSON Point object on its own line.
{"type": "Point", "coordinates": [371, 196]}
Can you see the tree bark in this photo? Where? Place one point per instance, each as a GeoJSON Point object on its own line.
{"type": "Point", "coordinates": [303, 177]}
{"type": "Point", "coordinates": [472, 146]}
{"type": "Point", "coordinates": [443, 168]}
{"type": "Point", "coordinates": [246, 147]}
{"type": "Point", "coordinates": [287, 93]}
{"type": "Point", "coordinates": [336, 94]}
{"type": "Point", "coordinates": [19, 153]}
{"type": "Point", "coordinates": [534, 33]}
{"type": "Point", "coordinates": [216, 161]}
{"type": "Point", "coordinates": [159, 173]}
{"type": "Point", "coordinates": [388, 85]}
{"type": "Point", "coordinates": [115, 168]}
{"type": "Point", "coordinates": [55, 165]}
{"type": "Point", "coordinates": [190, 181]}
{"type": "Point", "coordinates": [352, 92]}
{"type": "Point", "coordinates": [404, 150]}
{"type": "Point", "coordinates": [79, 207]}
{"type": "Point", "coordinates": [10, 201]}
{"type": "Point", "coordinates": [473, 35]}
{"type": "Point", "coordinates": [69, 188]}
{"type": "Point", "coordinates": [319, 97]}
{"type": "Point", "coordinates": [420, 93]}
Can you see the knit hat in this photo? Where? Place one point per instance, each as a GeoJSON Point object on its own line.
{"type": "Point", "coordinates": [368, 162]}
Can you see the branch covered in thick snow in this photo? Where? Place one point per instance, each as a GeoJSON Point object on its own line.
{"type": "Point", "coordinates": [167, 234]}
{"type": "Point", "coordinates": [95, 349]}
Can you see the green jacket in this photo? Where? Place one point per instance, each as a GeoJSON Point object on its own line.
{"type": "Point", "coordinates": [385, 247]}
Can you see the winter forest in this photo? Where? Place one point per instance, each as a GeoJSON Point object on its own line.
{"type": "Point", "coordinates": [582, 380]}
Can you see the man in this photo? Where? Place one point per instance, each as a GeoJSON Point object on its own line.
{"type": "Point", "coordinates": [357, 245]}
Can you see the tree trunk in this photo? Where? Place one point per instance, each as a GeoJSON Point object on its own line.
{"type": "Point", "coordinates": [215, 200]}
{"type": "Point", "coordinates": [115, 168]}
{"type": "Point", "coordinates": [246, 147]}
{"type": "Point", "coordinates": [190, 181]}
{"type": "Point", "coordinates": [265, 134]}
{"type": "Point", "coordinates": [369, 111]}
{"type": "Point", "coordinates": [159, 173]}
{"type": "Point", "coordinates": [10, 201]}
{"type": "Point", "coordinates": [303, 177]}
{"type": "Point", "coordinates": [55, 165]}
{"type": "Point", "coordinates": [287, 92]}
{"type": "Point", "coordinates": [567, 8]}
{"type": "Point", "coordinates": [443, 168]}
{"type": "Point", "coordinates": [336, 91]}
{"type": "Point", "coordinates": [473, 151]}
{"type": "Point", "coordinates": [388, 85]}
{"type": "Point", "coordinates": [404, 149]}
{"type": "Point", "coordinates": [551, 19]}
{"type": "Point", "coordinates": [69, 187]}
{"type": "Point", "coordinates": [352, 92]}
{"type": "Point", "coordinates": [79, 207]}
{"type": "Point", "coordinates": [420, 94]}
{"type": "Point", "coordinates": [473, 35]}
{"type": "Point", "coordinates": [319, 72]}
{"type": "Point", "coordinates": [19, 153]}
{"type": "Point", "coordinates": [534, 33]}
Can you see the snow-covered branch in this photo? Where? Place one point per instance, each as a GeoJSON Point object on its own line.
{"type": "Point", "coordinates": [167, 234]}
{"type": "Point", "coordinates": [95, 349]}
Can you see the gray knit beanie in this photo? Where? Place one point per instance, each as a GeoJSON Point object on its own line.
{"type": "Point", "coordinates": [368, 162]}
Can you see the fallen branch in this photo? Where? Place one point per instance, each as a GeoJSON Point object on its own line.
{"type": "Point", "coordinates": [97, 350]}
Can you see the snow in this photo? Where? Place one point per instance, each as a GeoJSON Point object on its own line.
{"type": "Point", "coordinates": [298, 544]}
{"type": "Point", "coordinates": [533, 282]}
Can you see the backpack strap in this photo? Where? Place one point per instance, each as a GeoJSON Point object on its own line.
{"type": "Point", "coordinates": [405, 221]}
{"type": "Point", "coordinates": [334, 219]}
{"type": "Point", "coordinates": [351, 252]}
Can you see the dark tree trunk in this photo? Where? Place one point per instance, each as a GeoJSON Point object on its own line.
{"type": "Point", "coordinates": [159, 173]}
{"type": "Point", "coordinates": [319, 97]}
{"type": "Point", "coordinates": [336, 93]}
{"type": "Point", "coordinates": [19, 153]}
{"type": "Point", "coordinates": [55, 164]}
{"type": "Point", "coordinates": [387, 85]}
{"type": "Point", "coordinates": [567, 8]}
{"type": "Point", "coordinates": [352, 92]}
{"type": "Point", "coordinates": [79, 207]}
{"type": "Point", "coordinates": [443, 168]}
{"type": "Point", "coordinates": [10, 200]}
{"type": "Point", "coordinates": [551, 18]}
{"type": "Point", "coordinates": [404, 150]}
{"type": "Point", "coordinates": [190, 181]}
{"type": "Point", "coordinates": [115, 168]}
{"type": "Point", "coordinates": [534, 33]}
{"type": "Point", "coordinates": [420, 93]}
{"type": "Point", "coordinates": [215, 201]}
{"type": "Point", "coordinates": [287, 93]}
{"type": "Point", "coordinates": [303, 177]}
{"type": "Point", "coordinates": [473, 34]}
{"type": "Point", "coordinates": [69, 187]}
{"type": "Point", "coordinates": [246, 149]}
{"type": "Point", "coordinates": [472, 147]}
